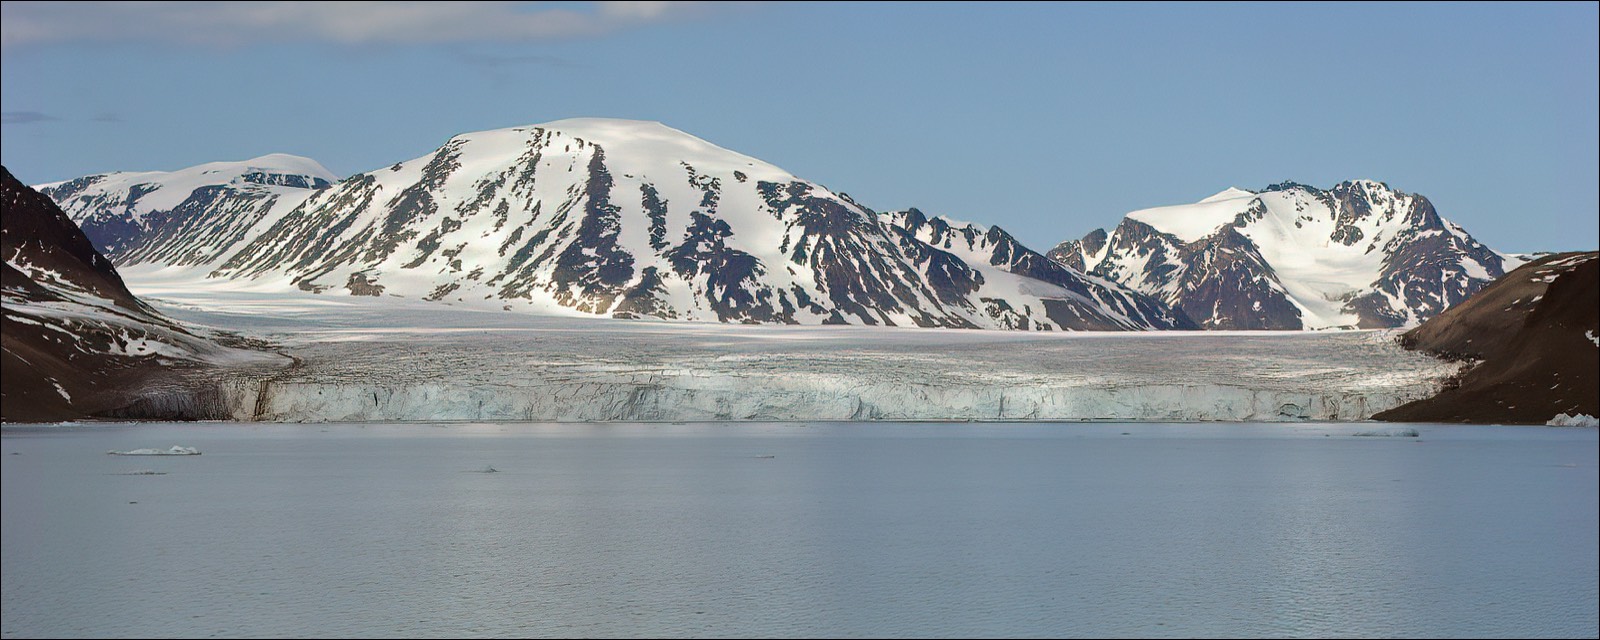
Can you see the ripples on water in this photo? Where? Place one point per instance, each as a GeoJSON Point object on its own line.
{"type": "Point", "coordinates": [801, 530]}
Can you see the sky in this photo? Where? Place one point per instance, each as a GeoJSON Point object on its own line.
{"type": "Point", "coordinates": [1046, 119]}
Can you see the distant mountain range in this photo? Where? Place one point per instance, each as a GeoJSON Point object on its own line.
{"type": "Point", "coordinates": [608, 217]}
{"type": "Point", "coordinates": [637, 220]}
{"type": "Point", "coordinates": [1292, 256]}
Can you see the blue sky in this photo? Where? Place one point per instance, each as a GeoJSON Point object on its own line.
{"type": "Point", "coordinates": [1046, 119]}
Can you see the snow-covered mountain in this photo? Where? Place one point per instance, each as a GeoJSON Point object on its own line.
{"type": "Point", "coordinates": [613, 217]}
{"type": "Point", "coordinates": [1294, 257]}
{"type": "Point", "coordinates": [1018, 267]}
{"type": "Point", "coordinates": [188, 217]}
{"type": "Point", "coordinates": [76, 341]}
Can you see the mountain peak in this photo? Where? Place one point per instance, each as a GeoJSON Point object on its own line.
{"type": "Point", "coordinates": [1368, 183]}
{"type": "Point", "coordinates": [1190, 222]}
{"type": "Point", "coordinates": [611, 127]}
{"type": "Point", "coordinates": [1364, 185]}
{"type": "Point", "coordinates": [220, 172]}
{"type": "Point", "coordinates": [288, 163]}
{"type": "Point", "coordinates": [1296, 256]}
{"type": "Point", "coordinates": [132, 194]}
{"type": "Point", "coordinates": [1229, 193]}
{"type": "Point", "coordinates": [642, 145]}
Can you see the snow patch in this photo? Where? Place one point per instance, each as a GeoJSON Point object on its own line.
{"type": "Point", "coordinates": [1191, 222]}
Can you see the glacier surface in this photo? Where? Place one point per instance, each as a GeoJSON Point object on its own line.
{"type": "Point", "coordinates": [360, 358]}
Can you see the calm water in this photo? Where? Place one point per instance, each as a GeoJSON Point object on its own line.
{"type": "Point", "coordinates": [801, 530]}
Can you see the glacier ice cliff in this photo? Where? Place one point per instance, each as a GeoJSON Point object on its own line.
{"type": "Point", "coordinates": [401, 359]}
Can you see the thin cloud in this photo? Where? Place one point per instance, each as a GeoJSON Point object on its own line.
{"type": "Point", "coordinates": [228, 24]}
{"type": "Point", "coordinates": [25, 117]}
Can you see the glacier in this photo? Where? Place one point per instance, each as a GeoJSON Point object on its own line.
{"type": "Point", "coordinates": [394, 359]}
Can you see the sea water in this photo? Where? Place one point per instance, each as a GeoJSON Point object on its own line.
{"type": "Point", "coordinates": [800, 529]}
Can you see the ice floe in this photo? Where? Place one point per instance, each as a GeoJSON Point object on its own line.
{"type": "Point", "coordinates": [174, 451]}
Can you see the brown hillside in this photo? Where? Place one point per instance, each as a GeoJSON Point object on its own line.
{"type": "Point", "coordinates": [1534, 331]}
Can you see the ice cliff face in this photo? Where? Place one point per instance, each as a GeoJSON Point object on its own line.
{"type": "Point", "coordinates": [608, 217]}
{"type": "Point", "coordinates": [1294, 257]}
{"type": "Point", "coordinates": [390, 359]}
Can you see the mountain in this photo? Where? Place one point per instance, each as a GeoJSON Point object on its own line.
{"type": "Point", "coordinates": [1017, 267]}
{"type": "Point", "coordinates": [608, 217]}
{"type": "Point", "coordinates": [1294, 257]}
{"type": "Point", "coordinates": [1535, 337]}
{"type": "Point", "coordinates": [188, 217]}
{"type": "Point", "coordinates": [76, 342]}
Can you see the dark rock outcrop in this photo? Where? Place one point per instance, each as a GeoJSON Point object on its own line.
{"type": "Point", "coordinates": [74, 342]}
{"type": "Point", "coordinates": [1532, 336]}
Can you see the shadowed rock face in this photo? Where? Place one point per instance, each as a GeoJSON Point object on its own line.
{"type": "Point", "coordinates": [37, 234]}
{"type": "Point", "coordinates": [607, 217]}
{"type": "Point", "coordinates": [1535, 333]}
{"type": "Point", "coordinates": [1377, 258]}
{"type": "Point", "coordinates": [1232, 285]}
{"type": "Point", "coordinates": [953, 279]}
{"type": "Point", "coordinates": [75, 341]}
{"type": "Point", "coordinates": [48, 260]}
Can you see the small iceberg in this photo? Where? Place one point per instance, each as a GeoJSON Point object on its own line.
{"type": "Point", "coordinates": [174, 451]}
{"type": "Point", "coordinates": [1579, 420]}
{"type": "Point", "coordinates": [1388, 433]}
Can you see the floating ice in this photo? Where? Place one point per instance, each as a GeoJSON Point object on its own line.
{"type": "Point", "coordinates": [1579, 420]}
{"type": "Point", "coordinates": [1388, 433]}
{"type": "Point", "coordinates": [174, 451]}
